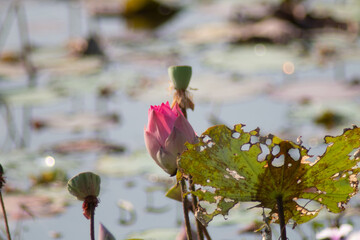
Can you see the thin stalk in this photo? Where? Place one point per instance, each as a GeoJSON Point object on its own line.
{"type": "Point", "coordinates": [5, 217]}
{"type": "Point", "coordinates": [199, 226]}
{"type": "Point", "coordinates": [25, 42]}
{"type": "Point", "coordinates": [185, 209]}
{"type": "Point", "coordinates": [206, 233]}
{"type": "Point", "coordinates": [280, 206]}
{"type": "Point", "coordinates": [92, 233]}
{"type": "Point", "coordinates": [6, 25]}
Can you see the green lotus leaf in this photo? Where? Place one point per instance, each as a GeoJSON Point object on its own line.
{"type": "Point", "coordinates": [231, 166]}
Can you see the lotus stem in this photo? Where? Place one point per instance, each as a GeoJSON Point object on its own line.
{"type": "Point", "coordinates": [199, 226]}
{"type": "Point", "coordinates": [185, 209]}
{"type": "Point", "coordinates": [2, 182]}
{"type": "Point", "coordinates": [280, 206]}
{"type": "Point", "coordinates": [92, 232]}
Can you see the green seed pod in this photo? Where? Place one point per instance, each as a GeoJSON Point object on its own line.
{"type": "Point", "coordinates": [83, 185]}
{"type": "Point", "coordinates": [180, 75]}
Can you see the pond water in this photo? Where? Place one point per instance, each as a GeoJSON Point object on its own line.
{"type": "Point", "coordinates": [250, 83]}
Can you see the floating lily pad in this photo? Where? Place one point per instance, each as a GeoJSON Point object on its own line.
{"type": "Point", "coordinates": [29, 96]}
{"type": "Point", "coordinates": [347, 112]}
{"type": "Point", "coordinates": [20, 166]}
{"type": "Point", "coordinates": [12, 70]}
{"type": "Point", "coordinates": [256, 58]}
{"type": "Point", "coordinates": [206, 88]}
{"type": "Point", "coordinates": [93, 84]}
{"type": "Point", "coordinates": [316, 91]}
{"type": "Point", "coordinates": [125, 165]}
{"type": "Point", "coordinates": [61, 62]}
{"type": "Point", "coordinates": [30, 206]}
{"type": "Point", "coordinates": [158, 234]}
{"type": "Point", "coordinates": [347, 11]}
{"type": "Point", "coordinates": [269, 30]}
{"type": "Point", "coordinates": [87, 145]}
{"type": "Point", "coordinates": [77, 121]}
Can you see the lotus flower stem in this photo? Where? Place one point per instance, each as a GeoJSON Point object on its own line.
{"type": "Point", "coordinates": [199, 226]}
{"type": "Point", "coordinates": [5, 217]}
{"type": "Point", "coordinates": [281, 217]}
{"type": "Point", "coordinates": [185, 209]}
{"type": "Point", "coordinates": [2, 182]}
{"type": "Point", "coordinates": [92, 232]}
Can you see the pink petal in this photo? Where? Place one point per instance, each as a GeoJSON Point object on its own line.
{"type": "Point", "coordinates": [175, 142]}
{"type": "Point", "coordinates": [167, 161]}
{"type": "Point", "coordinates": [158, 126]}
{"type": "Point", "coordinates": [184, 126]}
{"type": "Point", "coordinates": [177, 110]}
{"type": "Point", "coordinates": [151, 143]}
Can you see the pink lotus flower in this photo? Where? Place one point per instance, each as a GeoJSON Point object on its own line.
{"type": "Point", "coordinates": [166, 134]}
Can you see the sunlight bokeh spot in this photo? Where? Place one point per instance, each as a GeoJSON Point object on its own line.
{"type": "Point", "coordinates": [288, 68]}
{"type": "Point", "coordinates": [50, 161]}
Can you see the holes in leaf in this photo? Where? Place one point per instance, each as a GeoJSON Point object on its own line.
{"type": "Point", "coordinates": [289, 165]}
{"type": "Point", "coordinates": [299, 181]}
{"type": "Point", "coordinates": [235, 135]}
{"type": "Point", "coordinates": [254, 139]}
{"type": "Point", "coordinates": [228, 200]}
{"type": "Point", "coordinates": [208, 207]}
{"type": "Point", "coordinates": [335, 176]}
{"type": "Point", "coordinates": [245, 147]}
{"type": "Point", "coordinates": [294, 153]}
{"type": "Point", "coordinates": [279, 161]}
{"type": "Point", "coordinates": [202, 148]}
{"type": "Point", "coordinates": [355, 154]}
{"type": "Point", "coordinates": [208, 189]}
{"type": "Point", "coordinates": [235, 174]}
{"type": "Point", "coordinates": [268, 141]}
{"type": "Point", "coordinates": [206, 138]}
{"type": "Point", "coordinates": [264, 152]}
{"type": "Point", "coordinates": [275, 150]}
{"type": "Point", "coordinates": [310, 205]}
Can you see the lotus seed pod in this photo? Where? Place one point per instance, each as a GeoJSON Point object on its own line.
{"type": "Point", "coordinates": [84, 184]}
{"type": "Point", "coordinates": [180, 75]}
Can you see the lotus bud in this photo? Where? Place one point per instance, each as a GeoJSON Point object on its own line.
{"type": "Point", "coordinates": [180, 75]}
{"type": "Point", "coordinates": [167, 132]}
